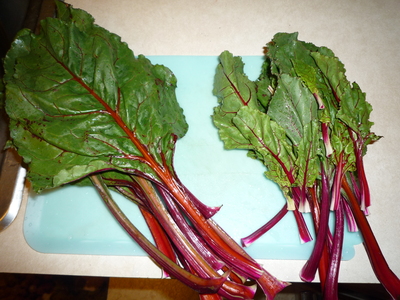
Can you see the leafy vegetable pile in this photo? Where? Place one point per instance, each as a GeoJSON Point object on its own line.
{"type": "Point", "coordinates": [84, 109]}
{"type": "Point", "coordinates": [310, 127]}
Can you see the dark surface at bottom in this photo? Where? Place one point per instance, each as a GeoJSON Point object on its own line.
{"type": "Point", "coordinates": [60, 287]}
{"type": "Point", "coordinates": [52, 287]}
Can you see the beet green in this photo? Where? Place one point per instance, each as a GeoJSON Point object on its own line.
{"type": "Point", "coordinates": [310, 127]}
{"type": "Point", "coordinates": [84, 109]}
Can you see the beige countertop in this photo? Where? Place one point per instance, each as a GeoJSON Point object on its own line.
{"type": "Point", "coordinates": [364, 34]}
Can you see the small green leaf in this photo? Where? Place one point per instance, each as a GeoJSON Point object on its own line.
{"type": "Point", "coordinates": [308, 154]}
{"type": "Point", "coordinates": [285, 47]}
{"type": "Point", "coordinates": [348, 99]}
{"type": "Point", "coordinates": [233, 90]}
{"type": "Point", "coordinates": [232, 86]}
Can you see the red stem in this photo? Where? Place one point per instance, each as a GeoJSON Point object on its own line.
{"type": "Point", "coordinates": [159, 235]}
{"type": "Point", "coordinates": [378, 262]}
{"type": "Point", "coordinates": [305, 235]}
{"type": "Point", "coordinates": [324, 261]}
{"type": "Point", "coordinates": [210, 297]}
{"type": "Point", "coordinates": [248, 240]}
{"type": "Point", "coordinates": [202, 285]}
{"type": "Point", "coordinates": [330, 291]}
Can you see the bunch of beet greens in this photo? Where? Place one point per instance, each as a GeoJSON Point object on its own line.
{"type": "Point", "coordinates": [84, 109]}
{"type": "Point", "coordinates": [310, 127]}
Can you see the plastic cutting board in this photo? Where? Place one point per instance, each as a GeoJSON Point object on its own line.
{"type": "Point", "coordinates": [74, 220]}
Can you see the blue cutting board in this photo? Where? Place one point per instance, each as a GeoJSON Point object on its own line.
{"type": "Point", "coordinates": [74, 220]}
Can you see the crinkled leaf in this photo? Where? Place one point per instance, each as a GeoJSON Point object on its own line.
{"type": "Point", "coordinates": [285, 47]}
{"type": "Point", "coordinates": [307, 73]}
{"type": "Point", "coordinates": [353, 109]}
{"type": "Point", "coordinates": [292, 107]}
{"type": "Point", "coordinates": [308, 152]}
{"type": "Point", "coordinates": [343, 144]}
{"type": "Point", "coordinates": [78, 88]}
{"type": "Point", "coordinates": [267, 140]}
{"type": "Point", "coordinates": [334, 72]}
{"type": "Point", "coordinates": [265, 84]}
{"type": "Point", "coordinates": [233, 90]}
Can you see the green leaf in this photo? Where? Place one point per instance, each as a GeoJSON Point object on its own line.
{"type": "Point", "coordinates": [352, 107]}
{"type": "Point", "coordinates": [343, 145]}
{"type": "Point", "coordinates": [267, 140]}
{"type": "Point", "coordinates": [234, 90]}
{"type": "Point", "coordinates": [292, 107]}
{"type": "Point", "coordinates": [265, 85]}
{"type": "Point", "coordinates": [284, 48]}
{"type": "Point", "coordinates": [334, 72]}
{"type": "Point", "coordinates": [308, 154]}
{"type": "Point", "coordinates": [80, 90]}
{"type": "Point", "coordinates": [307, 73]}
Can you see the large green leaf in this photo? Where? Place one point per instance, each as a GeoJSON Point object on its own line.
{"type": "Point", "coordinates": [267, 142]}
{"type": "Point", "coordinates": [86, 102]}
{"type": "Point", "coordinates": [292, 106]}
